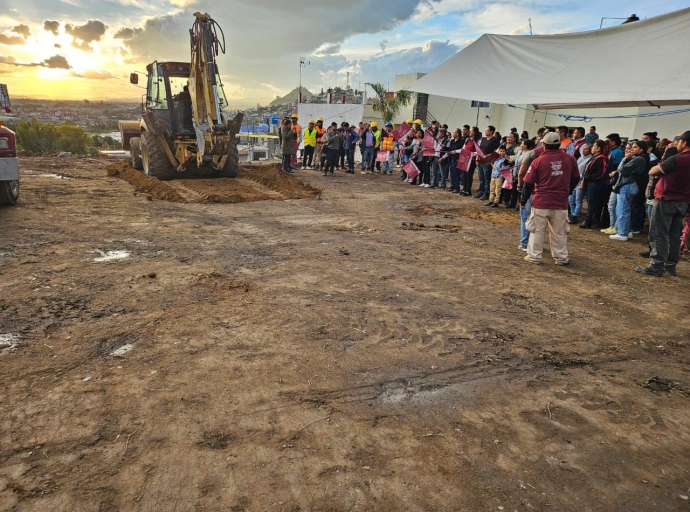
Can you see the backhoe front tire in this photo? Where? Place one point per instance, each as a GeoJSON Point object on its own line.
{"type": "Point", "coordinates": [153, 159]}
{"type": "Point", "coordinates": [232, 164]}
{"type": "Point", "coordinates": [9, 192]}
{"type": "Point", "coordinates": [135, 145]}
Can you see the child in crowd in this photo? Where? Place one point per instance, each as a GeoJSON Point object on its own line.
{"type": "Point", "coordinates": [497, 178]}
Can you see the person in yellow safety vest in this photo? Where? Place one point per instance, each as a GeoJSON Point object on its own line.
{"type": "Point", "coordinates": [387, 145]}
{"type": "Point", "coordinates": [320, 130]}
{"type": "Point", "coordinates": [309, 145]}
{"type": "Point", "coordinates": [298, 134]}
{"type": "Point", "coordinates": [377, 142]}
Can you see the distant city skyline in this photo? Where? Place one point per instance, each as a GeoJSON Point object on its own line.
{"type": "Point", "coordinates": [85, 49]}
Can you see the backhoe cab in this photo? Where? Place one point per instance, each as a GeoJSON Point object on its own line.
{"type": "Point", "coordinates": [183, 126]}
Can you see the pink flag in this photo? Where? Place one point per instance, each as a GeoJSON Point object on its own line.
{"type": "Point", "coordinates": [507, 174]}
{"type": "Point", "coordinates": [464, 160]}
{"type": "Point", "coordinates": [382, 156]}
{"type": "Point", "coordinates": [429, 142]}
{"type": "Point", "coordinates": [401, 131]}
{"type": "Point", "coordinates": [411, 169]}
{"type": "Point", "coordinates": [478, 150]}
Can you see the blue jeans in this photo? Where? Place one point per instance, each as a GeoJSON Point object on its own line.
{"type": "Point", "coordinates": [368, 159]}
{"type": "Point", "coordinates": [445, 167]}
{"type": "Point", "coordinates": [454, 176]}
{"type": "Point", "coordinates": [624, 207]}
{"type": "Point", "coordinates": [524, 215]}
{"type": "Point", "coordinates": [484, 179]}
{"type": "Point", "coordinates": [613, 207]}
{"type": "Point", "coordinates": [575, 200]}
{"type": "Point", "coordinates": [350, 154]}
{"type": "Point", "coordinates": [435, 170]}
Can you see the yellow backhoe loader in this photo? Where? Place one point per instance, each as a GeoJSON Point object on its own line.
{"type": "Point", "coordinates": [183, 128]}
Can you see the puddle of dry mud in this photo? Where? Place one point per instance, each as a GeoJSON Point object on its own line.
{"type": "Point", "coordinates": [253, 183]}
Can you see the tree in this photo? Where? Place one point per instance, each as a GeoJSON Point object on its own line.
{"type": "Point", "coordinates": [387, 106]}
{"type": "Point", "coordinates": [35, 137]}
{"type": "Point", "coordinates": [73, 138]}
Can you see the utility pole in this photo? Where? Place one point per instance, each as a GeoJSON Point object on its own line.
{"type": "Point", "coordinates": [302, 63]}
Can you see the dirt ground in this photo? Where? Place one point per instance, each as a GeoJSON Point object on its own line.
{"type": "Point", "coordinates": [374, 346]}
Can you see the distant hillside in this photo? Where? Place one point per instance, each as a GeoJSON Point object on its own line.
{"type": "Point", "coordinates": [291, 97]}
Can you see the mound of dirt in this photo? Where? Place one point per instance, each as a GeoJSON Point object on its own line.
{"type": "Point", "coordinates": [253, 183]}
{"type": "Point", "coordinates": [273, 177]}
{"type": "Point", "coordinates": [149, 185]}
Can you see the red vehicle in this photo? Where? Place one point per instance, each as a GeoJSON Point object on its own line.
{"type": "Point", "coordinates": [9, 166]}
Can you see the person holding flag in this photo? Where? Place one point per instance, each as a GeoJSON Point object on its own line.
{"type": "Point", "coordinates": [467, 161]}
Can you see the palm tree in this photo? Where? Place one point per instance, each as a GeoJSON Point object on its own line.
{"type": "Point", "coordinates": [389, 107]}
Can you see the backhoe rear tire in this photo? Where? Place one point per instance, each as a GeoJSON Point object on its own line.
{"type": "Point", "coordinates": [232, 164]}
{"type": "Point", "coordinates": [153, 158]}
{"type": "Point", "coordinates": [9, 192]}
{"type": "Point", "coordinates": [135, 144]}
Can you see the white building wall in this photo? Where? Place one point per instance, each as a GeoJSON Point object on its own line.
{"type": "Point", "coordinates": [666, 126]}
{"type": "Point", "coordinates": [335, 112]}
{"type": "Point", "coordinates": [456, 113]}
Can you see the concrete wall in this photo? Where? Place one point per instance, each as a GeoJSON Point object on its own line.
{"type": "Point", "coordinates": [665, 126]}
{"type": "Point", "coordinates": [336, 112]}
{"type": "Point", "coordinates": [456, 113]}
{"type": "Point", "coordinates": [370, 115]}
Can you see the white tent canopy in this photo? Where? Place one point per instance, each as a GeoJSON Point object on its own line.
{"type": "Point", "coordinates": [645, 63]}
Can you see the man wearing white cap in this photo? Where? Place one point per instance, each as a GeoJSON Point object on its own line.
{"type": "Point", "coordinates": [551, 178]}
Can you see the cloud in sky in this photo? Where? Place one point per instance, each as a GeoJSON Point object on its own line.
{"type": "Point", "coordinates": [93, 75]}
{"type": "Point", "coordinates": [22, 30]}
{"type": "Point", "coordinates": [329, 49]}
{"type": "Point", "coordinates": [11, 40]}
{"type": "Point", "coordinates": [51, 26]}
{"type": "Point", "coordinates": [56, 62]}
{"type": "Point", "coordinates": [84, 35]}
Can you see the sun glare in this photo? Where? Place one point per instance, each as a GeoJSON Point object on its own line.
{"type": "Point", "coordinates": [52, 74]}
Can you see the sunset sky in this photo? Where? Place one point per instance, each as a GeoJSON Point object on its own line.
{"type": "Point", "coordinates": [85, 49]}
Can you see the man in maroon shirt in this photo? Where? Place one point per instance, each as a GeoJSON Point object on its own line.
{"type": "Point", "coordinates": [671, 198]}
{"type": "Point", "coordinates": [551, 177]}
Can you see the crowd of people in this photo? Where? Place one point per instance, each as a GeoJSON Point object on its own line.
{"type": "Point", "coordinates": [622, 183]}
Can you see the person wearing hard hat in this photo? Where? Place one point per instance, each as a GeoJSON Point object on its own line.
{"type": "Point", "coordinates": [309, 139]}
{"type": "Point", "coordinates": [298, 134]}
{"type": "Point", "coordinates": [388, 144]}
{"type": "Point", "coordinates": [417, 125]}
{"type": "Point", "coordinates": [320, 131]}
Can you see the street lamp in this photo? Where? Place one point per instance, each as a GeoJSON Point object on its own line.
{"type": "Point", "coordinates": [302, 63]}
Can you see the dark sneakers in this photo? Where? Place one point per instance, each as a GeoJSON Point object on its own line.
{"type": "Point", "coordinates": [651, 271]}
{"type": "Point", "coordinates": [644, 254]}
{"type": "Point", "coordinates": [671, 271]}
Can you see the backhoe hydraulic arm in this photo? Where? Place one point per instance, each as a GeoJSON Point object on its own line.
{"type": "Point", "coordinates": [214, 133]}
